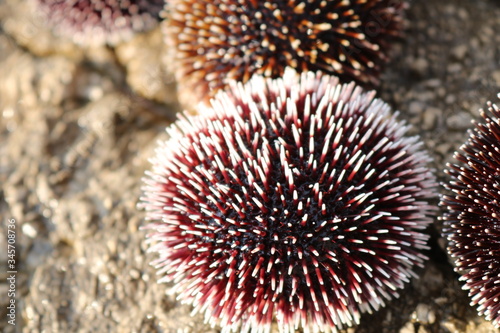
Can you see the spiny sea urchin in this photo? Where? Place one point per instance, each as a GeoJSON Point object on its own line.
{"type": "Point", "coordinates": [214, 42]}
{"type": "Point", "coordinates": [101, 21]}
{"type": "Point", "coordinates": [295, 198]}
{"type": "Point", "coordinates": [472, 219]}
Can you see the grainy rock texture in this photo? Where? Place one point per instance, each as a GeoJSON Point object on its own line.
{"type": "Point", "coordinates": [78, 125]}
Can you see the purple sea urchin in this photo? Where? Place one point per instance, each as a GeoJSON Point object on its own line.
{"type": "Point", "coordinates": [101, 21]}
{"type": "Point", "coordinates": [214, 42]}
{"type": "Point", "coordinates": [295, 198]}
{"type": "Point", "coordinates": [472, 219]}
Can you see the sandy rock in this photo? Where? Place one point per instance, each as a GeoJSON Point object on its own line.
{"type": "Point", "coordinates": [77, 127]}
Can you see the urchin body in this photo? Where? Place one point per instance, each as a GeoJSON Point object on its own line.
{"type": "Point", "coordinates": [472, 219]}
{"type": "Point", "coordinates": [214, 42]}
{"type": "Point", "coordinates": [297, 199]}
{"type": "Point", "coordinates": [93, 22]}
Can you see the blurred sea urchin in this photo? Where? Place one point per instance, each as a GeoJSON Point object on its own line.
{"type": "Point", "coordinates": [295, 198]}
{"type": "Point", "coordinates": [472, 218]}
{"type": "Point", "coordinates": [93, 22]}
{"type": "Point", "coordinates": [214, 42]}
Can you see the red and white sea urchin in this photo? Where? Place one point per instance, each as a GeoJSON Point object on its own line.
{"type": "Point", "coordinates": [472, 219]}
{"type": "Point", "coordinates": [214, 42]}
{"type": "Point", "coordinates": [296, 198]}
{"type": "Point", "coordinates": [100, 21]}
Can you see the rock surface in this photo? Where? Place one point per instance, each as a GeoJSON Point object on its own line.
{"type": "Point", "coordinates": [77, 127]}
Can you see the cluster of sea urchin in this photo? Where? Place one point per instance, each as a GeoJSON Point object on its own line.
{"type": "Point", "coordinates": [294, 198]}
{"type": "Point", "coordinates": [101, 21]}
{"type": "Point", "coordinates": [472, 220]}
{"type": "Point", "coordinates": [214, 42]}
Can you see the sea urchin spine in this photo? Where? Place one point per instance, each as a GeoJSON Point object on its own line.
{"type": "Point", "coordinates": [295, 198]}
{"type": "Point", "coordinates": [472, 219]}
{"type": "Point", "coordinates": [214, 42]}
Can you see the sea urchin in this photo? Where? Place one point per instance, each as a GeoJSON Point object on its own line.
{"type": "Point", "coordinates": [295, 198]}
{"type": "Point", "coordinates": [214, 42]}
{"type": "Point", "coordinates": [99, 21]}
{"type": "Point", "coordinates": [472, 219]}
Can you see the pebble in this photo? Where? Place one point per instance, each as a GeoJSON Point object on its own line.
{"type": "Point", "coordinates": [424, 314]}
{"type": "Point", "coordinates": [442, 69]}
{"type": "Point", "coordinates": [450, 99]}
{"type": "Point", "coordinates": [454, 68]}
{"type": "Point", "coordinates": [408, 328]}
{"type": "Point", "coordinates": [430, 117]}
{"type": "Point", "coordinates": [419, 67]}
{"type": "Point", "coordinates": [459, 52]}
{"type": "Point", "coordinates": [29, 230]}
{"type": "Point", "coordinates": [496, 77]}
{"type": "Point", "coordinates": [459, 121]}
{"type": "Point", "coordinates": [416, 107]}
{"type": "Point", "coordinates": [135, 274]}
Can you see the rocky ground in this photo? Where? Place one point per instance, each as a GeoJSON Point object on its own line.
{"type": "Point", "coordinates": [78, 125]}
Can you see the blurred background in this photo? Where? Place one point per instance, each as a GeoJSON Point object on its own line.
{"type": "Point", "coordinates": [77, 126]}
